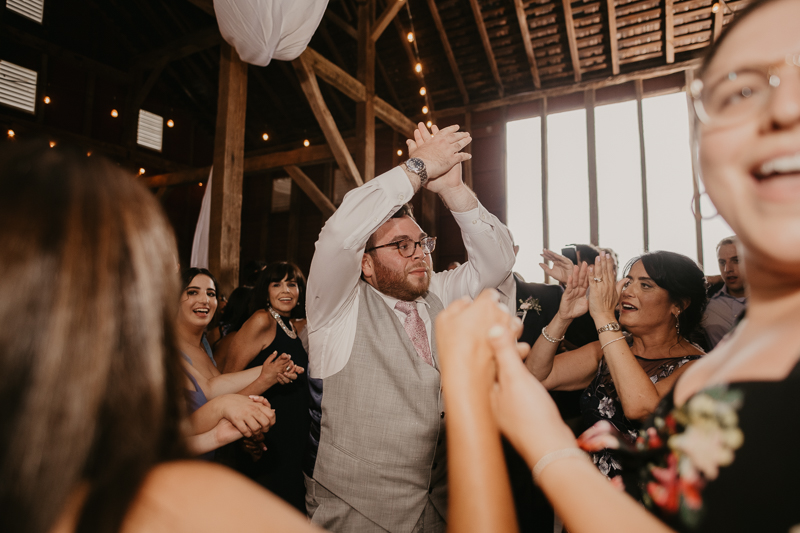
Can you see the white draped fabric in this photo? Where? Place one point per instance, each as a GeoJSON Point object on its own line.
{"type": "Point", "coordinates": [261, 30]}
{"type": "Point", "coordinates": [200, 244]}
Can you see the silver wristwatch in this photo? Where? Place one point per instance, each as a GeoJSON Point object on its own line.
{"type": "Point", "coordinates": [611, 326]}
{"type": "Point", "coordinates": [417, 166]}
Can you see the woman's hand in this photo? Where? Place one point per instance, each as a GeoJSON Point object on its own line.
{"type": "Point", "coordinates": [250, 415]}
{"type": "Point", "coordinates": [574, 302]}
{"type": "Point", "coordinates": [604, 290]}
{"type": "Point", "coordinates": [274, 366]}
{"type": "Point", "coordinates": [524, 410]}
{"type": "Point", "coordinates": [290, 373]}
{"type": "Point", "coordinates": [254, 446]}
{"type": "Point", "coordinates": [561, 269]}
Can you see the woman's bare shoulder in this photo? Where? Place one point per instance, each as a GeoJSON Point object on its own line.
{"type": "Point", "coordinates": [259, 322]}
{"type": "Point", "coordinates": [196, 497]}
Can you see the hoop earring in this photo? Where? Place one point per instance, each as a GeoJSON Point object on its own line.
{"type": "Point", "coordinates": [696, 201]}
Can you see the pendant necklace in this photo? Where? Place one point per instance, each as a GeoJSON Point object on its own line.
{"type": "Point", "coordinates": [291, 333]}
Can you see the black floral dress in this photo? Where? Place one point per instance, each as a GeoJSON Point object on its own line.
{"type": "Point", "coordinates": [600, 401]}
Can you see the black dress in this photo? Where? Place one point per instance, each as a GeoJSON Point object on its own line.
{"type": "Point", "coordinates": [280, 468]}
{"type": "Point", "coordinates": [727, 460]}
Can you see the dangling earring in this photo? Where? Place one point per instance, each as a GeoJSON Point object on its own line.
{"type": "Point", "coordinates": [677, 325]}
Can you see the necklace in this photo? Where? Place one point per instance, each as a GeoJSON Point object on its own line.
{"type": "Point", "coordinates": [291, 333]}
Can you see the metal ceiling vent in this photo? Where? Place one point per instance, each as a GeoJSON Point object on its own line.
{"type": "Point", "coordinates": [151, 130]}
{"type": "Point", "coordinates": [17, 87]}
{"type": "Point", "coordinates": [32, 9]}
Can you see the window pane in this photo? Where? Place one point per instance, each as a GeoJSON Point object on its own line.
{"type": "Point", "coordinates": [619, 179]}
{"type": "Point", "coordinates": [669, 174]}
{"type": "Point", "coordinates": [568, 178]}
{"type": "Point", "coordinates": [524, 193]}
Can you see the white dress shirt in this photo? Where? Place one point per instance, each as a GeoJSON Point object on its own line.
{"type": "Point", "coordinates": [333, 289]}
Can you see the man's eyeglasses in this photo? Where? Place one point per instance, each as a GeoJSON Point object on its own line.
{"type": "Point", "coordinates": [740, 94]}
{"type": "Point", "coordinates": [407, 247]}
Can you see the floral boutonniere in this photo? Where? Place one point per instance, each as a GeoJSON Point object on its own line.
{"type": "Point", "coordinates": [527, 305]}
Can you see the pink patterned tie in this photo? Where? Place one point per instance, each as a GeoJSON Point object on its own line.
{"type": "Point", "coordinates": [415, 328]}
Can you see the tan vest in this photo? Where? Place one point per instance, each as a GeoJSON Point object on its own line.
{"type": "Point", "coordinates": [382, 439]}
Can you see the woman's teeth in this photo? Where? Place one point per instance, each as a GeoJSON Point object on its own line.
{"type": "Point", "coordinates": [780, 165]}
{"type": "Point", "coordinates": [628, 306]}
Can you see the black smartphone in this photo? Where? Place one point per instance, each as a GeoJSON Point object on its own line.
{"type": "Point", "coordinates": [570, 253]}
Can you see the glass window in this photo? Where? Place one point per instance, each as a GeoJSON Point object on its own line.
{"type": "Point", "coordinates": [568, 178]}
{"type": "Point", "coordinates": [669, 174]}
{"type": "Point", "coordinates": [619, 179]}
{"type": "Point", "coordinates": [524, 193]}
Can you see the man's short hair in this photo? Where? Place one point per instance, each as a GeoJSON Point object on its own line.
{"type": "Point", "coordinates": [733, 239]}
{"type": "Point", "coordinates": [405, 211]}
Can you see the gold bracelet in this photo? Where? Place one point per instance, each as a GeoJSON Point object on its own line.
{"type": "Point", "coordinates": [552, 457]}
{"type": "Point", "coordinates": [548, 338]}
{"type": "Point", "coordinates": [609, 342]}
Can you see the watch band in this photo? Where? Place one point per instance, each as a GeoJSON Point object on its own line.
{"type": "Point", "coordinates": [611, 326]}
{"type": "Point", "coordinates": [417, 166]}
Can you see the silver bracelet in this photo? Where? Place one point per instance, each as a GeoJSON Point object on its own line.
{"type": "Point", "coordinates": [548, 338]}
{"type": "Point", "coordinates": [613, 340]}
{"type": "Point", "coordinates": [552, 457]}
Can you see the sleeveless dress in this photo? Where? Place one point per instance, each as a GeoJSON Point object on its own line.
{"type": "Point", "coordinates": [600, 401]}
{"type": "Point", "coordinates": [726, 460]}
{"type": "Point", "coordinates": [195, 399]}
{"type": "Point", "coordinates": [280, 468]}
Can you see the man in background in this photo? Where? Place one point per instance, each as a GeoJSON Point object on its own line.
{"type": "Point", "coordinates": [726, 306]}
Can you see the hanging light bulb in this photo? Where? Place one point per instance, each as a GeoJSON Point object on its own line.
{"type": "Point", "coordinates": [141, 171]}
{"type": "Point", "coordinates": [52, 144]}
{"type": "Point", "coordinates": [306, 143]}
{"type": "Point", "coordinates": [424, 110]}
{"type": "Point", "coordinates": [46, 99]}
{"type": "Point", "coordinates": [399, 152]}
{"type": "Point", "coordinates": [11, 134]}
{"type": "Point", "coordinates": [200, 184]}
{"type": "Point", "coordinates": [715, 8]}
{"type": "Point", "coordinates": [114, 113]}
{"type": "Point", "coordinates": [429, 123]}
{"type": "Point", "coordinates": [89, 153]}
{"type": "Point", "coordinates": [422, 91]}
{"type": "Point", "coordinates": [410, 37]}
{"type": "Point", "coordinates": [265, 137]}
{"type": "Point", "coordinates": [418, 67]}
{"type": "Point", "coordinates": [170, 123]}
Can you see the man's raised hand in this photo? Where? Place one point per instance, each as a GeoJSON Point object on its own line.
{"type": "Point", "coordinates": [440, 152]}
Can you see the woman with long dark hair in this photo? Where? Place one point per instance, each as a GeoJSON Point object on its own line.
{"type": "Point", "coordinates": [90, 439]}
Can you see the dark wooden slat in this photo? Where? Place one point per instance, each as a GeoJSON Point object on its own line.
{"type": "Point", "coordinates": [522, 18]}
{"type": "Point", "coordinates": [308, 186]}
{"type": "Point", "coordinates": [386, 18]}
{"type": "Point", "coordinates": [226, 191]}
{"type": "Point", "coordinates": [487, 45]}
{"type": "Point", "coordinates": [448, 50]}
{"type": "Point", "coordinates": [569, 24]}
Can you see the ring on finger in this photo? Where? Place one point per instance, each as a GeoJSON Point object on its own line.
{"type": "Point", "coordinates": [288, 367]}
{"type": "Point", "coordinates": [598, 280]}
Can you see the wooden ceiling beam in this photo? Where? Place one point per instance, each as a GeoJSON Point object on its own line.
{"type": "Point", "coordinates": [205, 5]}
{"type": "Point", "coordinates": [341, 23]}
{"type": "Point", "coordinates": [448, 50]}
{"type": "Point", "coordinates": [308, 82]}
{"type": "Point", "coordinates": [719, 20]}
{"type": "Point", "coordinates": [613, 46]}
{"type": "Point", "coordinates": [487, 45]}
{"type": "Point", "coordinates": [181, 47]}
{"type": "Point", "coordinates": [308, 186]}
{"type": "Point", "coordinates": [531, 96]}
{"type": "Point", "coordinates": [569, 23]}
{"type": "Point", "coordinates": [386, 18]}
{"type": "Point", "coordinates": [669, 32]}
{"type": "Point", "coordinates": [522, 18]}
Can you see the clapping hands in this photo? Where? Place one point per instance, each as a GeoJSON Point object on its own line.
{"type": "Point", "coordinates": [441, 152]}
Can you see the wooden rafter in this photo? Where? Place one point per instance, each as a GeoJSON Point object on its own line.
{"type": "Point", "coordinates": [613, 47]}
{"type": "Point", "coordinates": [669, 32]}
{"type": "Point", "coordinates": [448, 50]}
{"type": "Point", "coordinates": [308, 186]}
{"type": "Point", "coordinates": [354, 89]}
{"type": "Point", "coordinates": [569, 24]}
{"type": "Point", "coordinates": [341, 23]}
{"type": "Point", "coordinates": [308, 82]}
{"type": "Point", "coordinates": [205, 5]}
{"type": "Point", "coordinates": [365, 110]}
{"type": "Point", "coordinates": [182, 47]}
{"type": "Point", "coordinates": [522, 18]}
{"type": "Point", "coordinates": [487, 45]}
{"type": "Point", "coordinates": [719, 20]}
{"type": "Point", "coordinates": [386, 18]}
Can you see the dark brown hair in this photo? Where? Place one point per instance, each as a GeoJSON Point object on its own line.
{"type": "Point", "coordinates": [273, 273]}
{"type": "Point", "coordinates": [91, 376]}
{"type": "Point", "coordinates": [406, 210]}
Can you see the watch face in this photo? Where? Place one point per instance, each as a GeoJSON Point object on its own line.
{"type": "Point", "coordinates": [415, 164]}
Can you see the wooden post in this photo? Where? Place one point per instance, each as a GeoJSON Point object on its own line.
{"type": "Point", "coordinates": [645, 223]}
{"type": "Point", "coordinates": [591, 148]}
{"type": "Point", "coordinates": [669, 31]}
{"type": "Point", "coordinates": [613, 47]}
{"type": "Point", "coordinates": [365, 111]}
{"type": "Point", "coordinates": [545, 209]}
{"type": "Point", "coordinates": [41, 91]}
{"type": "Point", "coordinates": [226, 188]}
{"type": "Point", "coordinates": [266, 212]}
{"type": "Point", "coordinates": [293, 231]}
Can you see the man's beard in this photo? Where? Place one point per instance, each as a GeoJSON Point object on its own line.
{"type": "Point", "coordinates": [397, 285]}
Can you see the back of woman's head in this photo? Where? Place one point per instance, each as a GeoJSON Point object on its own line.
{"type": "Point", "coordinates": [90, 375]}
{"type": "Point", "coordinates": [237, 311]}
{"type": "Point", "coordinates": [684, 282]}
{"type": "Point", "coordinates": [273, 273]}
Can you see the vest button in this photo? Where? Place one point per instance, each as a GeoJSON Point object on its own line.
{"type": "Point", "coordinates": [441, 415]}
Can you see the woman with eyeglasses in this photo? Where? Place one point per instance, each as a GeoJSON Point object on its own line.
{"type": "Point", "coordinates": [720, 451]}
{"type": "Point", "coordinates": [275, 326]}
